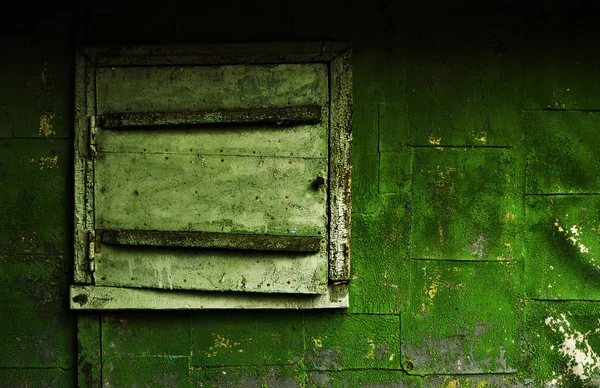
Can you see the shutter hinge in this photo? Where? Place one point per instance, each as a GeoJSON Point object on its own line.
{"type": "Point", "coordinates": [92, 250]}
{"type": "Point", "coordinates": [93, 151]}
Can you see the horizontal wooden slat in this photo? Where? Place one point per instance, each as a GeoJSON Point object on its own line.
{"type": "Point", "coordinates": [116, 298]}
{"type": "Point", "coordinates": [213, 194]}
{"type": "Point", "coordinates": [280, 116]}
{"type": "Point", "coordinates": [212, 54]}
{"type": "Point", "coordinates": [175, 88]}
{"type": "Point", "coordinates": [211, 269]}
{"type": "Point", "coordinates": [301, 140]}
{"type": "Point", "coordinates": [211, 240]}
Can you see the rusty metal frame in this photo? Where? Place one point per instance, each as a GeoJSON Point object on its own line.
{"type": "Point", "coordinates": [337, 55]}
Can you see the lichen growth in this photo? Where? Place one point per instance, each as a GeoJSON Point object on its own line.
{"type": "Point", "coordinates": [45, 128]}
{"type": "Point", "coordinates": [46, 162]}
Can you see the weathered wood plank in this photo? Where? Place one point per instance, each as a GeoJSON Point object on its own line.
{"type": "Point", "coordinates": [110, 298]}
{"type": "Point", "coordinates": [304, 140]}
{"type": "Point", "coordinates": [279, 116]}
{"type": "Point", "coordinates": [205, 193]}
{"type": "Point", "coordinates": [210, 54]}
{"type": "Point", "coordinates": [210, 240]}
{"type": "Point", "coordinates": [212, 269]}
{"type": "Point", "coordinates": [163, 89]}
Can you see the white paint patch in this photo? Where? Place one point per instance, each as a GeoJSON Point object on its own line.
{"type": "Point", "coordinates": [583, 361]}
{"type": "Point", "coordinates": [574, 230]}
{"type": "Point", "coordinates": [572, 235]}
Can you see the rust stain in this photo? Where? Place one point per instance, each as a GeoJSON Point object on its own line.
{"type": "Point", "coordinates": [46, 124]}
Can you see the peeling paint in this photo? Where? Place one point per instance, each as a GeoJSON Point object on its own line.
{"type": "Point", "coordinates": [572, 234]}
{"type": "Point", "coordinates": [583, 360]}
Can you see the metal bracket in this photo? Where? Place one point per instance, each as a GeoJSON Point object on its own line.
{"type": "Point", "coordinates": [93, 151]}
{"type": "Point", "coordinates": [92, 250]}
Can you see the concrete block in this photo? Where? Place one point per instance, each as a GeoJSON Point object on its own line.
{"type": "Point", "coordinates": [351, 341]}
{"type": "Point", "coordinates": [233, 338]}
{"type": "Point", "coordinates": [563, 250]}
{"type": "Point", "coordinates": [467, 204]}
{"type": "Point", "coordinates": [463, 318]}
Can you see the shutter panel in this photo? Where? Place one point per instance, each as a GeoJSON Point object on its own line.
{"type": "Point", "coordinates": [211, 177]}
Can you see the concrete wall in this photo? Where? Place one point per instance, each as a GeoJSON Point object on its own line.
{"type": "Point", "coordinates": [476, 215]}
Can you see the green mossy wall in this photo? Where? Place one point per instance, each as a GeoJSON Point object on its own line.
{"type": "Point", "coordinates": [476, 206]}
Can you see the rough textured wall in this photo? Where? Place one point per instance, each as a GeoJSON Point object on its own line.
{"type": "Point", "coordinates": [37, 330]}
{"type": "Point", "coordinates": [476, 217]}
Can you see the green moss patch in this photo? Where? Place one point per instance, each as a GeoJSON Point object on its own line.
{"type": "Point", "coordinates": [467, 204]}
{"type": "Point", "coordinates": [563, 247]}
{"type": "Point", "coordinates": [463, 318]}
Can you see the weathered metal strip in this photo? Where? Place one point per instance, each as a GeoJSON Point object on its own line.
{"type": "Point", "coordinates": [291, 115]}
{"type": "Point", "coordinates": [118, 298]}
{"type": "Point", "coordinates": [211, 240]}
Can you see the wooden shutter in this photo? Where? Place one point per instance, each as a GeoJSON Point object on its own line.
{"type": "Point", "coordinates": [212, 174]}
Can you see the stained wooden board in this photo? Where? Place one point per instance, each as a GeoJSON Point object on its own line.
{"type": "Point", "coordinates": [253, 242]}
{"type": "Point", "coordinates": [212, 270]}
{"type": "Point", "coordinates": [206, 193]}
{"type": "Point", "coordinates": [278, 115]}
{"type": "Point", "coordinates": [175, 88]}
{"type": "Point", "coordinates": [307, 141]}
